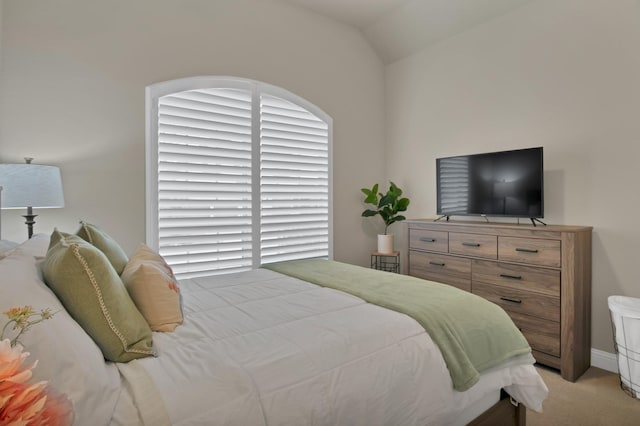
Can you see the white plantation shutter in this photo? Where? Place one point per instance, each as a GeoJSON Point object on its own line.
{"type": "Point", "coordinates": [204, 180]}
{"type": "Point", "coordinates": [294, 184]}
{"type": "Point", "coordinates": [237, 176]}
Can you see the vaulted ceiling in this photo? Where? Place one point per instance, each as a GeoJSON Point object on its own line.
{"type": "Point", "coordinates": [399, 28]}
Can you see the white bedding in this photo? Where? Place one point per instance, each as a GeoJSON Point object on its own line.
{"type": "Point", "coordinates": [261, 348]}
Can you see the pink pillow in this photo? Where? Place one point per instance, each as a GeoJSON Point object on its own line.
{"type": "Point", "coordinates": [153, 288]}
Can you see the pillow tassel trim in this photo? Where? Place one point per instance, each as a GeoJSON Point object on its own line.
{"type": "Point", "coordinates": [103, 307]}
{"type": "Point", "coordinates": [87, 230]}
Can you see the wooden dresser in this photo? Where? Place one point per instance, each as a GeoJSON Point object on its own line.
{"type": "Point", "coordinates": [540, 275]}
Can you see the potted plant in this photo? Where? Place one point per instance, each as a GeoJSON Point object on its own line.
{"type": "Point", "coordinates": [387, 206]}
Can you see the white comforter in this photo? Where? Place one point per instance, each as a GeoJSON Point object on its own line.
{"type": "Point", "coordinates": [261, 348]}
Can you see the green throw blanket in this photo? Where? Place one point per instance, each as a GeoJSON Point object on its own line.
{"type": "Point", "coordinates": [472, 333]}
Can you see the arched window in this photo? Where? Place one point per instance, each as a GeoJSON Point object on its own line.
{"type": "Point", "coordinates": [238, 175]}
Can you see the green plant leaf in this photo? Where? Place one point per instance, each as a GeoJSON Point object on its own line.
{"type": "Point", "coordinates": [402, 205]}
{"type": "Point", "coordinates": [387, 205]}
{"type": "Point", "coordinates": [372, 195]}
{"type": "Point", "coordinates": [386, 200]}
{"type": "Point", "coordinates": [397, 192]}
{"type": "Point", "coordinates": [398, 218]}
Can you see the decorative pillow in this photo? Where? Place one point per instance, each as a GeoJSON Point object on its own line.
{"type": "Point", "coordinates": [105, 243]}
{"type": "Point", "coordinates": [93, 293]}
{"type": "Point", "coordinates": [7, 247]}
{"type": "Point", "coordinates": [67, 357]}
{"type": "Point", "coordinates": [36, 246]}
{"type": "Point", "coordinates": [153, 288]}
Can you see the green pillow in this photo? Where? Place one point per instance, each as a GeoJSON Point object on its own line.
{"type": "Point", "coordinates": [92, 292]}
{"type": "Point", "coordinates": [106, 244]}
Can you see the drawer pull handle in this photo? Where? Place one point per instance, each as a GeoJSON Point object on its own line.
{"type": "Point", "coordinates": [471, 244]}
{"type": "Point", "coordinates": [428, 240]}
{"type": "Point", "coordinates": [510, 299]}
{"type": "Point", "coordinates": [526, 250]}
{"type": "Point", "coordinates": [513, 277]}
{"type": "Point", "coordinates": [436, 263]}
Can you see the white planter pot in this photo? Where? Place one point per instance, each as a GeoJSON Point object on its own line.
{"type": "Point", "coordinates": [385, 243]}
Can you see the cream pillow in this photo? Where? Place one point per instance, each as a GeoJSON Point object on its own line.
{"type": "Point", "coordinates": [92, 292]}
{"type": "Point", "coordinates": [153, 288]}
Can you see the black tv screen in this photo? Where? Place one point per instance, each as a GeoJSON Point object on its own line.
{"type": "Point", "coordinates": [505, 183]}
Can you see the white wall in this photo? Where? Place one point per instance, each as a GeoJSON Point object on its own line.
{"type": "Point", "coordinates": [1, 3]}
{"type": "Point", "coordinates": [1, 95]}
{"type": "Point", "coordinates": [562, 74]}
{"type": "Point", "coordinates": [74, 92]}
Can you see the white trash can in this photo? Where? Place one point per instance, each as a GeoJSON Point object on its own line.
{"type": "Point", "coordinates": [625, 318]}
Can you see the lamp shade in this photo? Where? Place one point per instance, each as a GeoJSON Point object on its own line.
{"type": "Point", "coordinates": [31, 185]}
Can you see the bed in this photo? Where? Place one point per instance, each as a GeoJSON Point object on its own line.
{"type": "Point", "coordinates": [265, 347]}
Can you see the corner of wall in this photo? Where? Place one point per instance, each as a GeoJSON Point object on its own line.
{"type": "Point", "coordinates": [604, 360]}
{"type": "Point", "coordinates": [1, 6]}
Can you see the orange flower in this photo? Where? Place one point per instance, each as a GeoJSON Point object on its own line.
{"type": "Point", "coordinates": [23, 404]}
{"type": "Point", "coordinates": [57, 411]}
{"type": "Point", "coordinates": [11, 359]}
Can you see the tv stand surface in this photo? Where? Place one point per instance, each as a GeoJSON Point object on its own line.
{"type": "Point", "coordinates": [486, 218]}
{"type": "Point", "coordinates": [541, 276]}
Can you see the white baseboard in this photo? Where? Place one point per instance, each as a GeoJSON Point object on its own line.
{"type": "Point", "coordinates": [605, 360]}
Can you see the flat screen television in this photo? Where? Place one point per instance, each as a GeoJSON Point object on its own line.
{"type": "Point", "coordinates": [501, 184]}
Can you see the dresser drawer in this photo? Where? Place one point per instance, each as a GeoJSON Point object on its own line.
{"type": "Point", "coordinates": [441, 268]}
{"type": "Point", "coordinates": [520, 301]}
{"type": "Point", "coordinates": [529, 278]}
{"type": "Point", "coordinates": [425, 239]}
{"type": "Point", "coordinates": [529, 250]}
{"type": "Point", "coordinates": [542, 335]}
{"type": "Point", "coordinates": [477, 245]}
{"type": "Point", "coordinates": [527, 270]}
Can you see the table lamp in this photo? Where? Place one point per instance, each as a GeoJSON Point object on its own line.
{"type": "Point", "coordinates": [31, 186]}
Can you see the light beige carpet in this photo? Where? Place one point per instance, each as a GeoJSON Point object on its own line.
{"type": "Point", "coordinates": [595, 399]}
